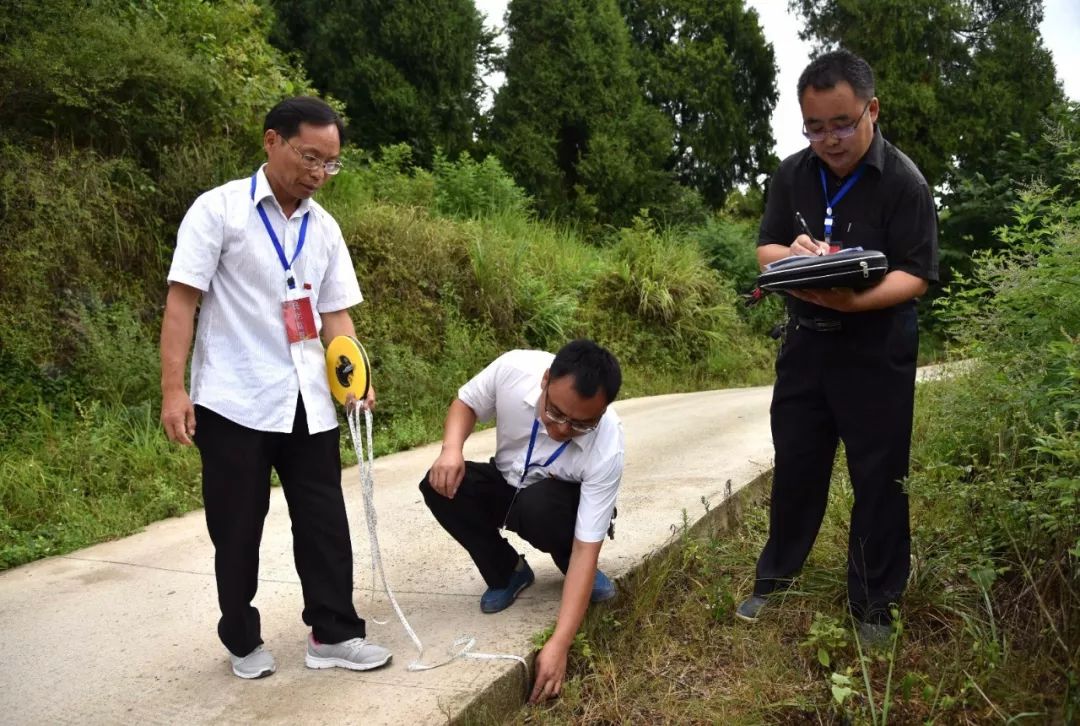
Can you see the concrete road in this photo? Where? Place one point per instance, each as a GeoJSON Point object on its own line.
{"type": "Point", "coordinates": [124, 632]}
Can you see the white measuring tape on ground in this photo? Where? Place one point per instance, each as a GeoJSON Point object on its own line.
{"type": "Point", "coordinates": [460, 648]}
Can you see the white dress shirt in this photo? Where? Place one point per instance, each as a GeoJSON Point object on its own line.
{"type": "Point", "coordinates": [243, 366]}
{"type": "Point", "coordinates": [509, 390]}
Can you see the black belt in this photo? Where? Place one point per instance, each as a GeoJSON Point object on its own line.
{"type": "Point", "coordinates": [819, 325]}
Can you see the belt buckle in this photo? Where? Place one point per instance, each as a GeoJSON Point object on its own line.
{"type": "Point", "coordinates": [821, 325]}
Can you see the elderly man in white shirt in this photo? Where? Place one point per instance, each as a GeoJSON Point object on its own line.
{"type": "Point", "coordinates": [553, 480]}
{"type": "Point", "coordinates": [272, 271]}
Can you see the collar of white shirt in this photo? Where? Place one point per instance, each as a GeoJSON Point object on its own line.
{"type": "Point", "coordinates": [263, 190]}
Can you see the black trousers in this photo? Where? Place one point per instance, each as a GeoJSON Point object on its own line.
{"type": "Point", "coordinates": [544, 514]}
{"type": "Point", "coordinates": [855, 385]}
{"type": "Point", "coordinates": [236, 464]}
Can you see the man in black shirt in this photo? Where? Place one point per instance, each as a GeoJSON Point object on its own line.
{"type": "Point", "coordinates": [846, 366]}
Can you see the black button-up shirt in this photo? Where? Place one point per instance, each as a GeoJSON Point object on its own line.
{"type": "Point", "coordinates": [889, 208]}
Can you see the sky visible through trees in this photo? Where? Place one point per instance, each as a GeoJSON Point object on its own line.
{"type": "Point", "coordinates": [1060, 27]}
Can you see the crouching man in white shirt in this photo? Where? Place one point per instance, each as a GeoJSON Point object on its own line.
{"type": "Point", "coordinates": [553, 480]}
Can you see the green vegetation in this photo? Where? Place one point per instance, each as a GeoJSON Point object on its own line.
{"type": "Point", "coordinates": [705, 64]}
{"type": "Point", "coordinates": [605, 211]}
{"type": "Point", "coordinates": [406, 72]}
{"type": "Point", "coordinates": [988, 631]}
{"type": "Point", "coordinates": [454, 266]}
{"type": "Point", "coordinates": [570, 123]}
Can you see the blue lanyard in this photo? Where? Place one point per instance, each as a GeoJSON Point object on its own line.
{"type": "Point", "coordinates": [528, 454]}
{"type": "Point", "coordinates": [830, 203]}
{"type": "Point", "coordinates": [285, 264]}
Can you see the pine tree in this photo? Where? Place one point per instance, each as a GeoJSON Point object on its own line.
{"type": "Point", "coordinates": [570, 122]}
{"type": "Point", "coordinates": [706, 65]}
{"type": "Point", "coordinates": [407, 71]}
{"type": "Point", "coordinates": [955, 77]}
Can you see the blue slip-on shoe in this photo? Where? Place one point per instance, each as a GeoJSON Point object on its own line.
{"type": "Point", "coordinates": [495, 599]}
{"type": "Point", "coordinates": [603, 588]}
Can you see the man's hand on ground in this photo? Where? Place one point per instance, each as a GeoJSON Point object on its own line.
{"type": "Point", "coordinates": [550, 672]}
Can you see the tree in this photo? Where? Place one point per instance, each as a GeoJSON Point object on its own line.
{"type": "Point", "coordinates": [955, 77]}
{"type": "Point", "coordinates": [135, 78]}
{"type": "Point", "coordinates": [980, 202]}
{"type": "Point", "coordinates": [966, 86]}
{"type": "Point", "coordinates": [705, 64]}
{"type": "Point", "coordinates": [408, 72]}
{"type": "Point", "coordinates": [570, 122]}
{"type": "Point", "coordinates": [1011, 82]}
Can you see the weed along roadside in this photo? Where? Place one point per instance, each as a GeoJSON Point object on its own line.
{"type": "Point", "coordinates": [988, 630]}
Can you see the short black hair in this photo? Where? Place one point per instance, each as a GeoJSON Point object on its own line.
{"type": "Point", "coordinates": [286, 117]}
{"type": "Point", "coordinates": [592, 367]}
{"type": "Point", "coordinates": [826, 71]}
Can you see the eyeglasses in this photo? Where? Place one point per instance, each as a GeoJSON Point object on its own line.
{"type": "Point", "coordinates": [842, 132]}
{"type": "Point", "coordinates": [312, 163]}
{"type": "Point", "coordinates": [556, 417]}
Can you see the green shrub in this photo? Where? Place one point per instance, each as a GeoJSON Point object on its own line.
{"type": "Point", "coordinates": [467, 188]}
{"type": "Point", "coordinates": [662, 306]}
{"type": "Point", "coordinates": [143, 76]}
{"type": "Point", "coordinates": [731, 248]}
{"type": "Point", "coordinates": [996, 482]}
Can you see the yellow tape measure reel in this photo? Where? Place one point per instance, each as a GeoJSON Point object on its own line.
{"type": "Point", "coordinates": [347, 368]}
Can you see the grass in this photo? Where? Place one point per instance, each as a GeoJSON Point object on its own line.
{"type": "Point", "coordinates": [670, 651]}
{"type": "Point", "coordinates": [105, 473]}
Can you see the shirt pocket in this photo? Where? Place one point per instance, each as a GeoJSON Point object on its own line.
{"type": "Point", "coordinates": [234, 233]}
{"type": "Point", "coordinates": [862, 235]}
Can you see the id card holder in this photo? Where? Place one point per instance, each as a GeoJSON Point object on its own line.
{"type": "Point", "coordinates": [299, 317]}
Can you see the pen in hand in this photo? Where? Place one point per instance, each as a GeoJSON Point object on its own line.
{"type": "Point", "coordinates": [806, 231]}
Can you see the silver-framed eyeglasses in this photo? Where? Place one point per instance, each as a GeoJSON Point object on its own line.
{"type": "Point", "coordinates": [556, 417]}
{"type": "Point", "coordinates": [841, 132]}
{"type": "Point", "coordinates": [311, 163]}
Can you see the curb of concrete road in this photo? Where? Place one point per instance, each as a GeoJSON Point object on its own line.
{"type": "Point", "coordinates": [507, 694]}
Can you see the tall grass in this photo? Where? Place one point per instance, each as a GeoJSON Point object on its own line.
{"type": "Point", "coordinates": [988, 631]}
{"type": "Point", "coordinates": [454, 270]}
{"type": "Point", "coordinates": [94, 473]}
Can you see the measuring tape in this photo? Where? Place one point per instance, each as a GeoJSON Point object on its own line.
{"type": "Point", "coordinates": [349, 371]}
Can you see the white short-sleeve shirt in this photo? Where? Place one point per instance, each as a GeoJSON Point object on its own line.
{"type": "Point", "coordinates": [508, 390]}
{"type": "Point", "coordinates": [243, 366]}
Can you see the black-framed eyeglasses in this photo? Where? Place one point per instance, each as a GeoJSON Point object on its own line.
{"type": "Point", "coordinates": [312, 163]}
{"type": "Point", "coordinates": [841, 132]}
{"type": "Point", "coordinates": [556, 417]}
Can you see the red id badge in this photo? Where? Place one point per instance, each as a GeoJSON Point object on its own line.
{"type": "Point", "coordinates": [299, 319]}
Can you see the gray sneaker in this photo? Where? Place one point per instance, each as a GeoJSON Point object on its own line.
{"type": "Point", "coordinates": [356, 655]}
{"type": "Point", "coordinates": [874, 635]}
{"type": "Point", "coordinates": [750, 608]}
{"type": "Point", "coordinates": [256, 664]}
